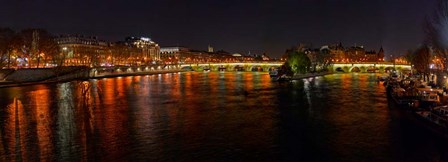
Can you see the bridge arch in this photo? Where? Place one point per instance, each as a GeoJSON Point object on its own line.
{"type": "Point", "coordinates": [222, 67]}
{"type": "Point", "coordinates": [256, 68]}
{"type": "Point", "coordinates": [188, 68]}
{"type": "Point", "coordinates": [214, 67]}
{"type": "Point", "coordinates": [363, 69]}
{"type": "Point", "coordinates": [237, 68]}
{"type": "Point", "coordinates": [389, 69]}
{"type": "Point", "coordinates": [339, 69]}
{"type": "Point", "coordinates": [202, 68]}
{"type": "Point", "coordinates": [355, 69]}
{"type": "Point", "coordinates": [406, 70]}
{"type": "Point", "coordinates": [371, 69]}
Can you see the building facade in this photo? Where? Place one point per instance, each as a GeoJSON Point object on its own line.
{"type": "Point", "coordinates": [174, 54]}
{"type": "Point", "coordinates": [150, 51]}
{"type": "Point", "coordinates": [79, 50]}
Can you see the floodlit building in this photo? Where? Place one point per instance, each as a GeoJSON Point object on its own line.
{"type": "Point", "coordinates": [81, 50]}
{"type": "Point", "coordinates": [210, 49]}
{"type": "Point", "coordinates": [355, 54]}
{"type": "Point", "coordinates": [337, 51]}
{"type": "Point", "coordinates": [150, 51]}
{"type": "Point", "coordinates": [174, 54]}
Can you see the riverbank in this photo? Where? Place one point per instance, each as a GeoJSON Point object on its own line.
{"type": "Point", "coordinates": [29, 77]}
{"type": "Point", "coordinates": [110, 75]}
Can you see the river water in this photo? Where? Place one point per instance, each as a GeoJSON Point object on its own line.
{"type": "Point", "coordinates": [195, 116]}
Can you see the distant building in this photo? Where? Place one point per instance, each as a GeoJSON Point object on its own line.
{"type": "Point", "coordinates": [355, 54]}
{"type": "Point", "coordinates": [150, 51]}
{"type": "Point", "coordinates": [82, 50]}
{"type": "Point", "coordinates": [337, 51]}
{"type": "Point", "coordinates": [371, 56]}
{"type": "Point", "coordinates": [380, 54]}
{"type": "Point", "coordinates": [265, 57]}
{"type": "Point", "coordinates": [178, 54]}
{"type": "Point", "coordinates": [210, 49]}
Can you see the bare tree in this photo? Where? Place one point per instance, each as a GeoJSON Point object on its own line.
{"type": "Point", "coordinates": [58, 58]}
{"type": "Point", "coordinates": [33, 45]}
{"type": "Point", "coordinates": [436, 29]}
{"type": "Point", "coordinates": [409, 56]}
{"type": "Point", "coordinates": [6, 35]}
{"type": "Point", "coordinates": [422, 59]}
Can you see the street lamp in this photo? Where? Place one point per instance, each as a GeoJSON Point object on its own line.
{"type": "Point", "coordinates": [64, 53]}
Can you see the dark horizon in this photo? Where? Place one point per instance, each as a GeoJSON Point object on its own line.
{"type": "Point", "coordinates": [233, 26]}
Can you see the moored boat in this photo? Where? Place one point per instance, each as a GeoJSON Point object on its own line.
{"type": "Point", "coordinates": [435, 119]}
{"type": "Point", "coordinates": [423, 106]}
{"type": "Point", "coordinates": [283, 78]}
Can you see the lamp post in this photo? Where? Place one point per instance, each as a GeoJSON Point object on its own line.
{"type": "Point", "coordinates": [64, 53]}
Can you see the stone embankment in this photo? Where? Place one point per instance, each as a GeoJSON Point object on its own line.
{"type": "Point", "coordinates": [41, 74]}
{"type": "Point", "coordinates": [130, 71]}
{"type": "Point", "coordinates": [18, 77]}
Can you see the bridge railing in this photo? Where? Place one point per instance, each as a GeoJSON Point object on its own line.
{"type": "Point", "coordinates": [218, 62]}
{"type": "Point", "coordinates": [378, 63]}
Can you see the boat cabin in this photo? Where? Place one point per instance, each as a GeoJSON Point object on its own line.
{"type": "Point", "coordinates": [429, 97]}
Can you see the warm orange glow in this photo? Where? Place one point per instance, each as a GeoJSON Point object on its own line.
{"type": "Point", "coordinates": [112, 121]}
{"type": "Point", "coordinates": [43, 121]}
{"type": "Point", "coordinates": [18, 125]}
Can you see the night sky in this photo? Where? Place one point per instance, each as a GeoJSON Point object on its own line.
{"type": "Point", "coordinates": [239, 26]}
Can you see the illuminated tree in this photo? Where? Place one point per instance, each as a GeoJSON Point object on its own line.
{"type": "Point", "coordinates": [48, 48]}
{"type": "Point", "coordinates": [33, 45]}
{"type": "Point", "coordinates": [298, 62]}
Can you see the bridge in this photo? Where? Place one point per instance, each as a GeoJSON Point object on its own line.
{"type": "Point", "coordinates": [267, 66]}
{"type": "Point", "coordinates": [369, 67]}
{"type": "Point", "coordinates": [239, 66]}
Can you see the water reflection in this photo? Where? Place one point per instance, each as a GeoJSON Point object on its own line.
{"type": "Point", "coordinates": [237, 116]}
{"type": "Point", "coordinates": [43, 121]}
{"type": "Point", "coordinates": [65, 124]}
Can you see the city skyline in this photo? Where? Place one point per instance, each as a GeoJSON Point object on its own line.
{"type": "Point", "coordinates": [237, 27]}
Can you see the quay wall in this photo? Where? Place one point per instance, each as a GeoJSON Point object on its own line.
{"type": "Point", "coordinates": [4, 73]}
{"type": "Point", "coordinates": [38, 74]}
{"type": "Point", "coordinates": [14, 76]}
{"type": "Point", "coordinates": [129, 71]}
{"type": "Point", "coordinates": [29, 75]}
